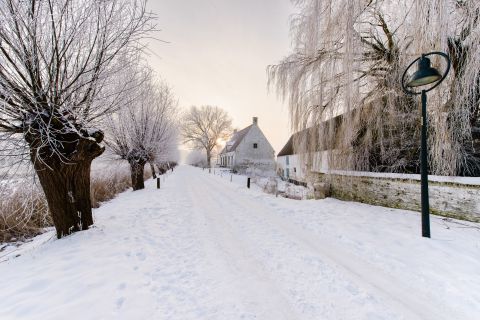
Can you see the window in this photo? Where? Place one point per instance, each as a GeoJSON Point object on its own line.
{"type": "Point", "coordinates": [288, 173]}
{"type": "Point", "coordinates": [255, 146]}
{"type": "Point", "coordinates": [287, 160]}
{"type": "Point", "coordinates": [294, 169]}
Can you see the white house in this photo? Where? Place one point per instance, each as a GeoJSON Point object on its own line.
{"type": "Point", "coordinates": [290, 166]}
{"type": "Point", "coordinates": [248, 149]}
{"type": "Point", "coordinates": [295, 167]}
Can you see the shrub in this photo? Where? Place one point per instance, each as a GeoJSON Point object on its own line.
{"type": "Point", "coordinates": [23, 214]}
{"type": "Point", "coordinates": [106, 185]}
{"type": "Point", "coordinates": [24, 211]}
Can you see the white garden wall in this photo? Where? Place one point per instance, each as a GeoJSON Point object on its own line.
{"type": "Point", "coordinates": [456, 197]}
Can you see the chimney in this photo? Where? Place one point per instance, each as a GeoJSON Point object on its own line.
{"type": "Point", "coordinates": [235, 131]}
{"type": "Point", "coordinates": [255, 120]}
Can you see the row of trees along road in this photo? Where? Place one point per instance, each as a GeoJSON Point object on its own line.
{"type": "Point", "coordinates": [144, 129]}
{"type": "Point", "coordinates": [57, 60]}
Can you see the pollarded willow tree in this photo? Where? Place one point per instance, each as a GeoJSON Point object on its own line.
{"type": "Point", "coordinates": [342, 83]}
{"type": "Point", "coordinates": [204, 126]}
{"type": "Point", "coordinates": [143, 130]}
{"type": "Point", "coordinates": [56, 59]}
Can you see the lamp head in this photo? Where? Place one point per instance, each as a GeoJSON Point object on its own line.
{"type": "Point", "coordinates": [424, 75]}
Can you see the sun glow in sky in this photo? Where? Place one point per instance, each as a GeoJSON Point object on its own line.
{"type": "Point", "coordinates": [217, 54]}
{"type": "Point", "coordinates": [221, 142]}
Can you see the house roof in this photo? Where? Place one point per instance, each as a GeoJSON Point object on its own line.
{"type": "Point", "coordinates": [308, 136]}
{"type": "Point", "coordinates": [233, 143]}
{"type": "Point", "coordinates": [287, 149]}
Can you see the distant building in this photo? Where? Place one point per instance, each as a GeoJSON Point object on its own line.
{"type": "Point", "coordinates": [295, 167]}
{"type": "Point", "coordinates": [289, 165]}
{"type": "Point", "coordinates": [248, 149]}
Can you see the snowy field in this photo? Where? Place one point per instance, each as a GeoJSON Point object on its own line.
{"type": "Point", "coordinates": [258, 182]}
{"type": "Point", "coordinates": [203, 247]}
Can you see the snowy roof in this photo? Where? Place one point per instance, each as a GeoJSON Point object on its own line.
{"type": "Point", "coordinates": [237, 137]}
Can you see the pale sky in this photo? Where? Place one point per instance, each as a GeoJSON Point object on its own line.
{"type": "Point", "coordinates": [217, 54]}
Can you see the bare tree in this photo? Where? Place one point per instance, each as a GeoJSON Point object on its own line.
{"type": "Point", "coordinates": [168, 155]}
{"type": "Point", "coordinates": [143, 129]}
{"type": "Point", "coordinates": [203, 127]}
{"type": "Point", "coordinates": [56, 59]}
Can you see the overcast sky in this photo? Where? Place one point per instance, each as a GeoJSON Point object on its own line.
{"type": "Point", "coordinates": [217, 53]}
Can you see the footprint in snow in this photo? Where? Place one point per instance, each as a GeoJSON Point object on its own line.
{"type": "Point", "coordinates": [141, 255]}
{"type": "Point", "coordinates": [120, 302]}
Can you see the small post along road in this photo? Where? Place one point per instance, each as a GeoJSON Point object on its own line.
{"type": "Point", "coordinates": [206, 247]}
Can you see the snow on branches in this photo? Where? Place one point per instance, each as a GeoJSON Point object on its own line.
{"type": "Point", "coordinates": [342, 83]}
{"type": "Point", "coordinates": [204, 126]}
{"type": "Point", "coordinates": [57, 58]}
{"type": "Point", "coordinates": [144, 127]}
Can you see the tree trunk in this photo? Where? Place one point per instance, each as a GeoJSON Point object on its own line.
{"type": "Point", "coordinates": [209, 158]}
{"type": "Point", "coordinates": [67, 190]}
{"type": "Point", "coordinates": [136, 171]}
{"type": "Point", "coordinates": [65, 178]}
{"type": "Point", "coordinates": [152, 167]}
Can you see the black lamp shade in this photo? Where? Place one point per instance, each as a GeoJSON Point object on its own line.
{"type": "Point", "coordinates": [424, 75]}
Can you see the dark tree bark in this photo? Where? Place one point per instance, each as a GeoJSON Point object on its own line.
{"type": "Point", "coordinates": [136, 170]}
{"type": "Point", "coordinates": [65, 177]}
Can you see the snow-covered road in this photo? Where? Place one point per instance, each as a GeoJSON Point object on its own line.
{"type": "Point", "coordinates": [203, 247]}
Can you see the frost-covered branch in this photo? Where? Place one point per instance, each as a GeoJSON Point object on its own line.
{"type": "Point", "coordinates": [143, 129]}
{"type": "Point", "coordinates": [57, 61]}
{"type": "Point", "coordinates": [203, 127]}
{"type": "Point", "coordinates": [343, 79]}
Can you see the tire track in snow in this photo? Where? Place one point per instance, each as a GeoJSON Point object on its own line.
{"type": "Point", "coordinates": [390, 290]}
{"type": "Point", "coordinates": [322, 306]}
{"type": "Point", "coordinates": [254, 287]}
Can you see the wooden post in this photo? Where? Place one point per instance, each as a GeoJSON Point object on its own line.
{"type": "Point", "coordinates": [158, 183]}
{"type": "Point", "coordinates": [248, 183]}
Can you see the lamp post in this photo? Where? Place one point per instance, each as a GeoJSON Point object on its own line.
{"type": "Point", "coordinates": [424, 75]}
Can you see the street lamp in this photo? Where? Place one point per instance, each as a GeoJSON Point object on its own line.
{"type": "Point", "coordinates": [423, 76]}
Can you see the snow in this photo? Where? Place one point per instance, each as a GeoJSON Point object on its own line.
{"type": "Point", "coordinates": [264, 181]}
{"type": "Point", "coordinates": [203, 247]}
